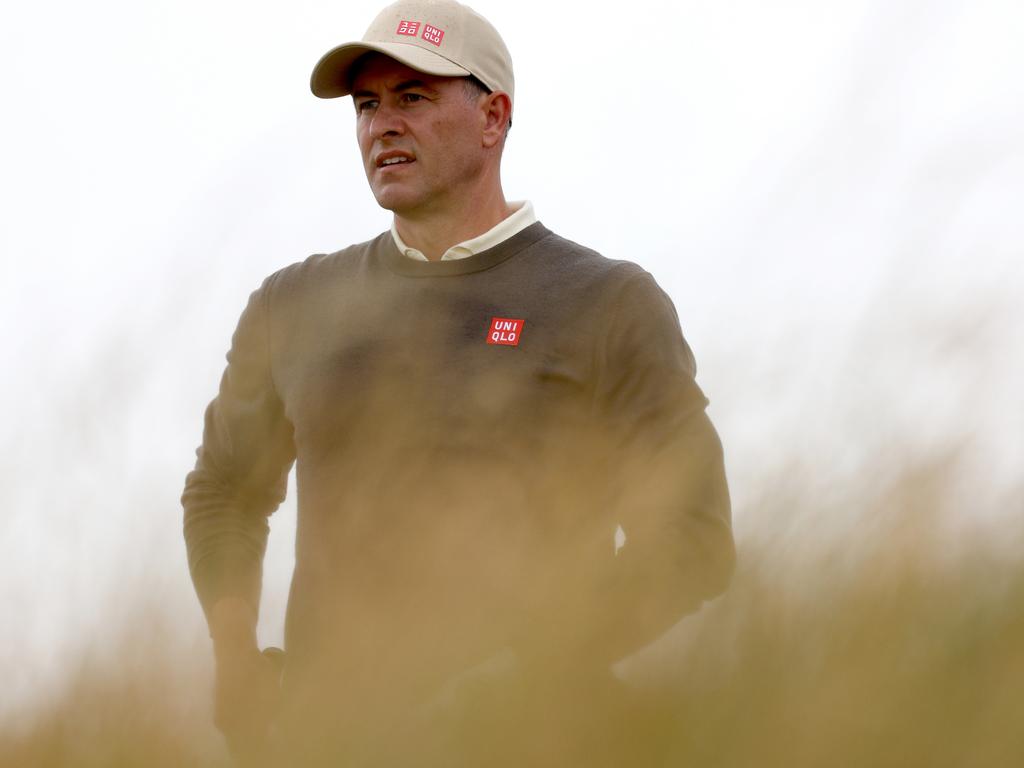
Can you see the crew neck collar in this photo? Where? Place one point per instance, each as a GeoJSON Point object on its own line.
{"type": "Point", "coordinates": [398, 262]}
{"type": "Point", "coordinates": [521, 217]}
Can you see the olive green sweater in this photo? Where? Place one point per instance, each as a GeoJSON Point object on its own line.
{"type": "Point", "coordinates": [467, 435]}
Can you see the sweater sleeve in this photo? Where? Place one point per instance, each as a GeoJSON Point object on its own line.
{"type": "Point", "coordinates": [663, 481]}
{"type": "Point", "coordinates": [241, 471]}
{"type": "Point", "coordinates": [668, 487]}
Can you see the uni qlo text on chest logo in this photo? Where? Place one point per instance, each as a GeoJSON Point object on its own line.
{"type": "Point", "coordinates": [505, 331]}
{"type": "Point", "coordinates": [432, 34]}
{"type": "Point", "coordinates": [410, 28]}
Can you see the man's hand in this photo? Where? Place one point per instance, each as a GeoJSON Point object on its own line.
{"type": "Point", "coordinates": [247, 691]}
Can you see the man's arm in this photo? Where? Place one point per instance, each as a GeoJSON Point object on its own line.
{"type": "Point", "coordinates": [664, 484]}
{"type": "Point", "coordinates": [241, 471]}
{"type": "Point", "coordinates": [239, 479]}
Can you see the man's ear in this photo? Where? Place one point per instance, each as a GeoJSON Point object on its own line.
{"type": "Point", "coordinates": [498, 112]}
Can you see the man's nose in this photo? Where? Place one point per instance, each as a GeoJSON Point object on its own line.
{"type": "Point", "coordinates": [387, 121]}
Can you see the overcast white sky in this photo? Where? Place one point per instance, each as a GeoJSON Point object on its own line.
{"type": "Point", "coordinates": [830, 190]}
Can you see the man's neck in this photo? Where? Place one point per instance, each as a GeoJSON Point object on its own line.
{"type": "Point", "coordinates": [432, 235]}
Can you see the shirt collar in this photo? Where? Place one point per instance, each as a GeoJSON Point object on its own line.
{"type": "Point", "coordinates": [522, 217]}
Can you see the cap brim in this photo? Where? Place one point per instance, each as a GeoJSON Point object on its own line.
{"type": "Point", "coordinates": [332, 75]}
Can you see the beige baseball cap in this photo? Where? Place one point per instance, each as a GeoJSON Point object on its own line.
{"type": "Point", "coordinates": [439, 37]}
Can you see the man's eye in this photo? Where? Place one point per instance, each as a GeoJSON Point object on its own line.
{"type": "Point", "coordinates": [364, 106]}
{"type": "Point", "coordinates": [412, 96]}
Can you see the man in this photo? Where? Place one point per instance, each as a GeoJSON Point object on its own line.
{"type": "Point", "coordinates": [506, 477]}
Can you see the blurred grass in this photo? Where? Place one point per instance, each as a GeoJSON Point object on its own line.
{"type": "Point", "coordinates": [895, 640]}
{"type": "Point", "coordinates": [899, 642]}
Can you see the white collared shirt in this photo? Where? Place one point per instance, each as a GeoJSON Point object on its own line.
{"type": "Point", "coordinates": [520, 219]}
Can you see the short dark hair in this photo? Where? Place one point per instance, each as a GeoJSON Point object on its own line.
{"type": "Point", "coordinates": [475, 88]}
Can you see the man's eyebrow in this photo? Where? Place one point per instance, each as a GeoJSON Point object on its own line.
{"type": "Point", "coordinates": [406, 85]}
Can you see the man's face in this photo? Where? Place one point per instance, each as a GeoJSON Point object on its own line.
{"type": "Point", "coordinates": [419, 135]}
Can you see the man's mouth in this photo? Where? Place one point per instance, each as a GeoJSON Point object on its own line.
{"type": "Point", "coordinates": [387, 159]}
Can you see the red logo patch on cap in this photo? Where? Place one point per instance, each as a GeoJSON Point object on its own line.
{"type": "Point", "coordinates": [410, 28]}
{"type": "Point", "coordinates": [505, 331]}
{"type": "Point", "coordinates": [433, 34]}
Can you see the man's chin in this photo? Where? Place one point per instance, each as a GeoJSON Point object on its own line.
{"type": "Point", "coordinates": [390, 200]}
{"type": "Point", "coordinates": [400, 205]}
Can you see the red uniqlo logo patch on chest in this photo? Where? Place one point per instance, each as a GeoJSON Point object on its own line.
{"type": "Point", "coordinates": [410, 28]}
{"type": "Point", "coordinates": [433, 34]}
{"type": "Point", "coordinates": [505, 331]}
